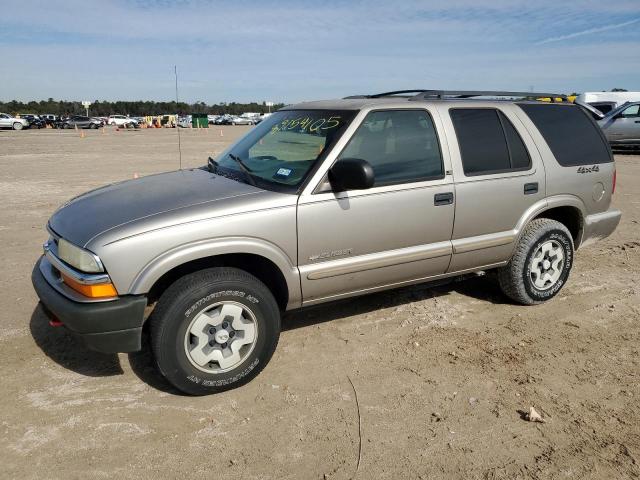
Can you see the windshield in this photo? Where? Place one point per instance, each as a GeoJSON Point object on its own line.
{"type": "Point", "coordinates": [280, 152]}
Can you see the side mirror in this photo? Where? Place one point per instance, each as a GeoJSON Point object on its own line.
{"type": "Point", "coordinates": [351, 174]}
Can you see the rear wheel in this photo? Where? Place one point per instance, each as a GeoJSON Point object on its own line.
{"type": "Point", "coordinates": [541, 263]}
{"type": "Point", "coordinates": [214, 330]}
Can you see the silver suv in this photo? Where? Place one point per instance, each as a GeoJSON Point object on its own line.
{"type": "Point", "coordinates": [322, 201]}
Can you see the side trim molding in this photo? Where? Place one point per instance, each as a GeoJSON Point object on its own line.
{"type": "Point", "coordinates": [479, 242]}
{"type": "Point", "coordinates": [372, 261]}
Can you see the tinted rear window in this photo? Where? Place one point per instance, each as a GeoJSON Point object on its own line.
{"type": "Point", "coordinates": [488, 142]}
{"type": "Point", "coordinates": [571, 135]}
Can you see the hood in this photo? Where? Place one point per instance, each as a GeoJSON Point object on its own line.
{"type": "Point", "coordinates": [97, 211]}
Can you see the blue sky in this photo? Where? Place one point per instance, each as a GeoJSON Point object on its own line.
{"type": "Point", "coordinates": [290, 51]}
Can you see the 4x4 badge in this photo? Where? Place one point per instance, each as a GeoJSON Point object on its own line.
{"type": "Point", "coordinates": [595, 168]}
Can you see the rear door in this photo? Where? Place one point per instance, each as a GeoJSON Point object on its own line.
{"type": "Point", "coordinates": [498, 174]}
{"type": "Point", "coordinates": [5, 120]}
{"type": "Point", "coordinates": [396, 232]}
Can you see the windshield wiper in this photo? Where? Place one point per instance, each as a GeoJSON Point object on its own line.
{"type": "Point", "coordinates": [246, 170]}
{"type": "Point", "coordinates": [213, 167]}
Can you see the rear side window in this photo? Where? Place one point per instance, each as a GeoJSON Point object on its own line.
{"type": "Point", "coordinates": [488, 142]}
{"type": "Point", "coordinates": [574, 139]}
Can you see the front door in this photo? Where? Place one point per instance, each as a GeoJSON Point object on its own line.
{"type": "Point", "coordinates": [625, 127]}
{"type": "Point", "coordinates": [396, 232]}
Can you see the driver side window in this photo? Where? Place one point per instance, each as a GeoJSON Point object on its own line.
{"type": "Point", "coordinates": [401, 146]}
{"type": "Point", "coordinates": [631, 112]}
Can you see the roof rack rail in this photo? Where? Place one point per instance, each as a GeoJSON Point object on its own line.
{"type": "Point", "coordinates": [441, 94]}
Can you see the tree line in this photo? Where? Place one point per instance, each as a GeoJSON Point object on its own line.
{"type": "Point", "coordinates": [136, 108]}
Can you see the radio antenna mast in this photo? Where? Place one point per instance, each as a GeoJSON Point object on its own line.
{"type": "Point", "coordinates": [175, 72]}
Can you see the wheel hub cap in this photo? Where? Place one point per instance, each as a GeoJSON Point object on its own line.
{"type": "Point", "coordinates": [547, 265]}
{"type": "Point", "coordinates": [221, 337]}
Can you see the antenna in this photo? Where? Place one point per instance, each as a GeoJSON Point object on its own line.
{"type": "Point", "coordinates": [175, 72]}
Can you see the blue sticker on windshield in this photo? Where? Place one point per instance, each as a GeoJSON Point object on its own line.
{"type": "Point", "coordinates": [283, 172]}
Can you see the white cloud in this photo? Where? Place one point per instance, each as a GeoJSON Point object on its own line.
{"type": "Point", "coordinates": [588, 31]}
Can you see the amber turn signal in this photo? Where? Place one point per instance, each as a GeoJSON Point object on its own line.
{"type": "Point", "coordinates": [100, 290]}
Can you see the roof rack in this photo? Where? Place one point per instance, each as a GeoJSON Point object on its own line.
{"type": "Point", "coordinates": [420, 94]}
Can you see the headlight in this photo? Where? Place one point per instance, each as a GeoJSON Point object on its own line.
{"type": "Point", "coordinates": [78, 258]}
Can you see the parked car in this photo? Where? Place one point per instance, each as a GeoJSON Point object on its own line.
{"type": "Point", "coordinates": [212, 119]}
{"type": "Point", "coordinates": [242, 121]}
{"type": "Point", "coordinates": [622, 125]}
{"type": "Point", "coordinates": [79, 121]}
{"type": "Point", "coordinates": [262, 117]}
{"type": "Point", "coordinates": [122, 121]}
{"type": "Point", "coordinates": [607, 101]}
{"type": "Point", "coordinates": [49, 119]}
{"type": "Point", "coordinates": [184, 122]}
{"type": "Point", "coordinates": [223, 120]}
{"type": "Point", "coordinates": [34, 120]}
{"type": "Point", "coordinates": [323, 201]}
{"type": "Point", "coordinates": [9, 121]}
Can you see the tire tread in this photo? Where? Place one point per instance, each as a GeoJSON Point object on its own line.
{"type": "Point", "coordinates": [509, 276]}
{"type": "Point", "coordinates": [160, 317]}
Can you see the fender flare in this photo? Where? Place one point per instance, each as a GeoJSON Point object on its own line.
{"type": "Point", "coordinates": [182, 254]}
{"type": "Point", "coordinates": [554, 201]}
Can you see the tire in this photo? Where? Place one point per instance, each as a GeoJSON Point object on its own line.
{"type": "Point", "coordinates": [66, 126]}
{"type": "Point", "coordinates": [18, 126]}
{"type": "Point", "coordinates": [190, 318]}
{"type": "Point", "coordinates": [540, 265]}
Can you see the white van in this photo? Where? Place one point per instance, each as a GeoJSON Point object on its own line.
{"type": "Point", "coordinates": [607, 101]}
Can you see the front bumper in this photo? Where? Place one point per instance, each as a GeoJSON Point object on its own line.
{"type": "Point", "coordinates": [108, 327]}
{"type": "Point", "coordinates": [600, 225]}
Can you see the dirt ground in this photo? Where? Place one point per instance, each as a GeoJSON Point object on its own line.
{"type": "Point", "coordinates": [440, 373]}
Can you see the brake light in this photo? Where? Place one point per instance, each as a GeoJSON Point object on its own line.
{"type": "Point", "coordinates": [615, 175]}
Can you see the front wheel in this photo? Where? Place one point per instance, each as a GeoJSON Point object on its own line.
{"type": "Point", "coordinates": [541, 263]}
{"type": "Point", "coordinates": [18, 126]}
{"type": "Point", "coordinates": [214, 330]}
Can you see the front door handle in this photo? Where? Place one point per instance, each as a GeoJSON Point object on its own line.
{"type": "Point", "coordinates": [530, 188]}
{"type": "Point", "coordinates": [443, 199]}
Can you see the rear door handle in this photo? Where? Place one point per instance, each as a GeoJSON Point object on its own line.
{"type": "Point", "coordinates": [530, 188]}
{"type": "Point", "coordinates": [443, 199]}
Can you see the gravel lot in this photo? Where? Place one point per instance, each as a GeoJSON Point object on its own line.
{"type": "Point", "coordinates": [441, 373]}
